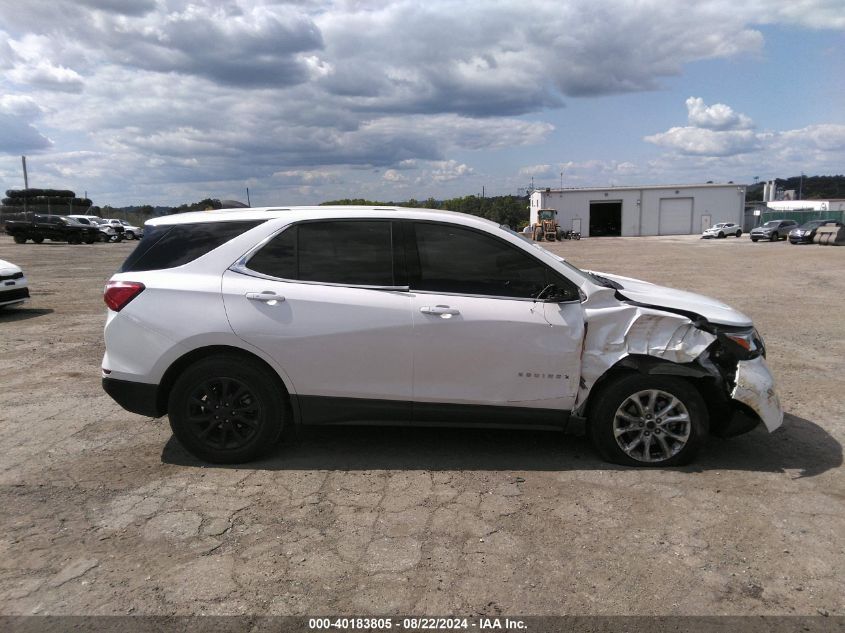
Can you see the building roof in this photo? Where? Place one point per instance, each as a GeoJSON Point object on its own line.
{"type": "Point", "coordinates": [636, 187]}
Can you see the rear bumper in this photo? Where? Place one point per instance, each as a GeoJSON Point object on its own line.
{"type": "Point", "coordinates": [136, 397]}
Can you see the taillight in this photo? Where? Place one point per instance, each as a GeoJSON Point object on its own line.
{"type": "Point", "coordinates": [118, 293]}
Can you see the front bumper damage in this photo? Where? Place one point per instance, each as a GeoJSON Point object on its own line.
{"type": "Point", "coordinates": [755, 388]}
{"type": "Point", "coordinates": [739, 393]}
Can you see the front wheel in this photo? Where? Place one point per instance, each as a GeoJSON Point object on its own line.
{"type": "Point", "coordinates": [774, 237]}
{"type": "Point", "coordinates": [721, 235]}
{"type": "Point", "coordinates": [649, 421]}
{"type": "Point", "coordinates": [753, 239]}
{"type": "Point", "coordinates": [226, 410]}
{"type": "Point", "coordinates": [19, 239]}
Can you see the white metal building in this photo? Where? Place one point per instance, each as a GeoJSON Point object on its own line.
{"type": "Point", "coordinates": [647, 210]}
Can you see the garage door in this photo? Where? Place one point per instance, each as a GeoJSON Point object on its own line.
{"type": "Point", "coordinates": [675, 216]}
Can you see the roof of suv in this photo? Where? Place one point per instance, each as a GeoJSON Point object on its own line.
{"type": "Point", "coordinates": [313, 212]}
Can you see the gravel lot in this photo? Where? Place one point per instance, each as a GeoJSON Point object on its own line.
{"type": "Point", "coordinates": [103, 513]}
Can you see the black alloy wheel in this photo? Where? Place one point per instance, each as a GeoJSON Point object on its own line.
{"type": "Point", "coordinates": [226, 410]}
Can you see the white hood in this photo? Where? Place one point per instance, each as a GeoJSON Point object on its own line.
{"type": "Point", "coordinates": [661, 296]}
{"type": "Point", "coordinates": [8, 268]}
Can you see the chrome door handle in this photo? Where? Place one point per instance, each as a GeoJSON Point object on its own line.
{"type": "Point", "coordinates": [444, 311]}
{"type": "Point", "coordinates": [268, 296]}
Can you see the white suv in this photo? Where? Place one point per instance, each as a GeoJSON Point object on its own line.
{"type": "Point", "coordinates": [237, 322]}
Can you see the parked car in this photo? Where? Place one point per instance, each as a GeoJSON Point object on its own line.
{"type": "Point", "coordinates": [773, 230]}
{"type": "Point", "coordinates": [236, 323]}
{"type": "Point", "coordinates": [723, 229]}
{"type": "Point", "coordinates": [107, 232]}
{"type": "Point", "coordinates": [56, 228]}
{"type": "Point", "coordinates": [805, 233]}
{"type": "Point", "coordinates": [14, 288]}
{"type": "Point", "coordinates": [130, 232]}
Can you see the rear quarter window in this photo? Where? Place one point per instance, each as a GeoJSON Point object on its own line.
{"type": "Point", "coordinates": [174, 245]}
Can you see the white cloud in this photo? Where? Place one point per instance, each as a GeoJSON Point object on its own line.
{"type": "Point", "coordinates": [715, 117]}
{"type": "Point", "coordinates": [536, 170]}
{"type": "Point", "coordinates": [703, 142]}
{"type": "Point", "coordinates": [47, 76]}
{"type": "Point", "coordinates": [394, 176]}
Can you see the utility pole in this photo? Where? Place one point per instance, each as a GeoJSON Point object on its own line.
{"type": "Point", "coordinates": [561, 181]}
{"type": "Point", "coordinates": [247, 198]}
{"type": "Point", "coordinates": [25, 184]}
{"type": "Point", "coordinates": [801, 186]}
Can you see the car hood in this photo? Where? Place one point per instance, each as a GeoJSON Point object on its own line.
{"type": "Point", "coordinates": [8, 268]}
{"type": "Point", "coordinates": [679, 300]}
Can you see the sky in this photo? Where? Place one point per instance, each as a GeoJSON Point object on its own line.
{"type": "Point", "coordinates": [167, 101]}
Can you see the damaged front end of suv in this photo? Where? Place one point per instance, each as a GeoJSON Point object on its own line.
{"type": "Point", "coordinates": [634, 326]}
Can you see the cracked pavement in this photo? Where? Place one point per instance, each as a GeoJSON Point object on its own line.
{"type": "Point", "coordinates": [104, 513]}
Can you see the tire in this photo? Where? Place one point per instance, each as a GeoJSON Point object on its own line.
{"type": "Point", "coordinates": [614, 411]}
{"type": "Point", "coordinates": [721, 235]}
{"type": "Point", "coordinates": [739, 233]}
{"type": "Point", "coordinates": [129, 235]}
{"type": "Point", "coordinates": [753, 239]}
{"type": "Point", "coordinates": [774, 237]}
{"type": "Point", "coordinates": [262, 404]}
{"type": "Point", "coordinates": [89, 240]}
{"type": "Point", "coordinates": [38, 240]}
{"type": "Point", "coordinates": [73, 239]}
{"type": "Point", "coordinates": [19, 239]}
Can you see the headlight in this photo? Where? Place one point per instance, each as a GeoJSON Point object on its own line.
{"type": "Point", "coordinates": [744, 344]}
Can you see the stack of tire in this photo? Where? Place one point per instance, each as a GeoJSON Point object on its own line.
{"type": "Point", "coordinates": [44, 201]}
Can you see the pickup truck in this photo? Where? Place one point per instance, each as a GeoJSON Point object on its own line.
{"type": "Point", "coordinates": [57, 228]}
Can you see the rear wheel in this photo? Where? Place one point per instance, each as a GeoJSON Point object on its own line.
{"type": "Point", "coordinates": [739, 233]}
{"type": "Point", "coordinates": [38, 239]}
{"type": "Point", "coordinates": [649, 421]}
{"type": "Point", "coordinates": [129, 235]}
{"type": "Point", "coordinates": [226, 410]}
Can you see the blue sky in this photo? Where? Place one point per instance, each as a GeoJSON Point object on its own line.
{"type": "Point", "coordinates": [168, 101]}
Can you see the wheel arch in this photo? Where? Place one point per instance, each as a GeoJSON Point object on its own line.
{"type": "Point", "coordinates": [700, 374]}
{"type": "Point", "coordinates": [170, 375]}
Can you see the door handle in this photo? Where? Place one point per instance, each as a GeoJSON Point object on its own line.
{"type": "Point", "coordinates": [268, 296]}
{"type": "Point", "coordinates": [442, 311]}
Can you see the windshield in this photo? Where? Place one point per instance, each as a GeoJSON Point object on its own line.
{"type": "Point", "coordinates": [719, 226]}
{"type": "Point", "coordinates": [771, 224]}
{"type": "Point", "coordinates": [812, 224]}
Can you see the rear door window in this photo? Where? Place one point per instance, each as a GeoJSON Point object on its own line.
{"type": "Point", "coordinates": [345, 252]}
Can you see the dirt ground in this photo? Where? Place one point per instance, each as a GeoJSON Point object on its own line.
{"type": "Point", "coordinates": [103, 513]}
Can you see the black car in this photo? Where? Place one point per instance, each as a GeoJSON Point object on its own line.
{"type": "Point", "coordinates": [773, 230]}
{"type": "Point", "coordinates": [57, 228]}
{"type": "Point", "coordinates": [805, 233]}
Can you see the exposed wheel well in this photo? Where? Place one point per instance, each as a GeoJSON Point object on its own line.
{"type": "Point", "coordinates": [708, 385]}
{"type": "Point", "coordinates": [183, 362]}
